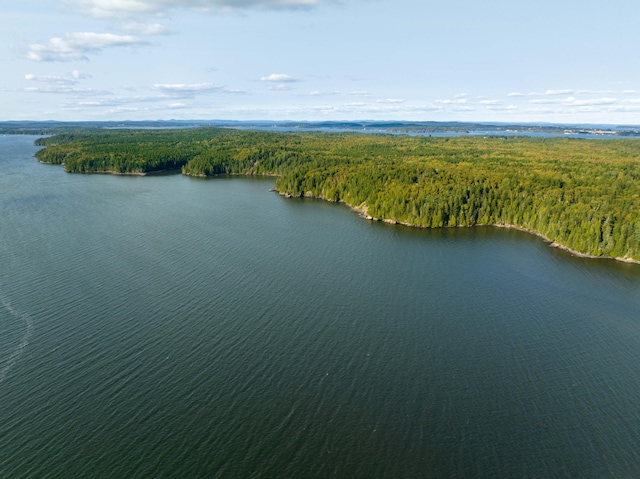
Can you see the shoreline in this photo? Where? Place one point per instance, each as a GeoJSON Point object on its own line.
{"type": "Point", "coordinates": [245, 175]}
{"type": "Point", "coordinates": [362, 212]}
{"type": "Point", "coordinates": [173, 171]}
{"type": "Point", "coordinates": [128, 173]}
{"type": "Point", "coordinates": [560, 246]}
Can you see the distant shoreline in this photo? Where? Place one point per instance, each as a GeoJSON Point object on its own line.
{"type": "Point", "coordinates": [419, 128]}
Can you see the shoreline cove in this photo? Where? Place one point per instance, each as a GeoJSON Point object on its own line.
{"type": "Point", "coordinates": [361, 210]}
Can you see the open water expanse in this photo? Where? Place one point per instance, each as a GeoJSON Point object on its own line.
{"type": "Point", "coordinates": [168, 326]}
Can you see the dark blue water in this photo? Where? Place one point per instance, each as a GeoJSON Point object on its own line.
{"type": "Point", "coordinates": [176, 327]}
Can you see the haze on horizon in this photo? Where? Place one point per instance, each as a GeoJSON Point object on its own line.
{"type": "Point", "coordinates": [558, 62]}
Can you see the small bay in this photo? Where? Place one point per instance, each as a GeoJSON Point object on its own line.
{"type": "Point", "coordinates": [168, 326]}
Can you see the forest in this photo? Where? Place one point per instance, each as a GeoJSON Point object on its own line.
{"type": "Point", "coordinates": [581, 194]}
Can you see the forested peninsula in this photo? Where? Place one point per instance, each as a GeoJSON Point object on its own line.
{"type": "Point", "coordinates": [583, 195]}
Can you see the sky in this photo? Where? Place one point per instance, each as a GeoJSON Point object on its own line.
{"type": "Point", "coordinates": [561, 61]}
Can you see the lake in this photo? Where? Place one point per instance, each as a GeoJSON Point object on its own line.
{"type": "Point", "coordinates": [168, 326]}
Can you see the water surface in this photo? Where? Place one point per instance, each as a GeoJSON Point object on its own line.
{"type": "Point", "coordinates": [177, 327]}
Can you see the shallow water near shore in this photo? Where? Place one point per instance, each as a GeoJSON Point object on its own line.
{"type": "Point", "coordinates": [167, 326]}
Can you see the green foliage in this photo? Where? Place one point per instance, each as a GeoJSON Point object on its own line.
{"type": "Point", "coordinates": [582, 194]}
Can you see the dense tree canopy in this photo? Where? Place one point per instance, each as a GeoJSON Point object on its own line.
{"type": "Point", "coordinates": [582, 194]}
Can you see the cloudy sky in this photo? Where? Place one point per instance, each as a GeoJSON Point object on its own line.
{"type": "Point", "coordinates": [492, 60]}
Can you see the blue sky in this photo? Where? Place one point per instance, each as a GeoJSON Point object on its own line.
{"type": "Point", "coordinates": [560, 61]}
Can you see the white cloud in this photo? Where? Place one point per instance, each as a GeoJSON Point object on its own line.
{"type": "Point", "coordinates": [156, 102]}
{"type": "Point", "coordinates": [50, 79]}
{"type": "Point", "coordinates": [76, 46]}
{"type": "Point", "coordinates": [421, 108]}
{"type": "Point", "coordinates": [625, 108]}
{"type": "Point", "coordinates": [586, 109]}
{"type": "Point", "coordinates": [359, 93]}
{"type": "Point", "coordinates": [558, 92]}
{"type": "Point", "coordinates": [502, 107]}
{"type": "Point", "coordinates": [278, 77]}
{"type": "Point", "coordinates": [74, 78]}
{"type": "Point", "coordinates": [124, 109]}
{"type": "Point", "coordinates": [78, 75]}
{"type": "Point", "coordinates": [66, 89]}
{"type": "Point", "coordinates": [135, 8]}
{"type": "Point", "coordinates": [515, 93]}
{"type": "Point", "coordinates": [571, 101]}
{"type": "Point", "coordinates": [449, 102]}
{"type": "Point", "coordinates": [562, 92]}
{"type": "Point", "coordinates": [543, 110]}
{"type": "Point", "coordinates": [182, 88]}
{"type": "Point", "coordinates": [546, 101]}
{"type": "Point", "coordinates": [391, 100]}
{"type": "Point", "coordinates": [490, 102]}
{"type": "Point", "coordinates": [362, 108]}
{"type": "Point", "coordinates": [118, 101]}
{"type": "Point", "coordinates": [593, 92]}
{"type": "Point", "coordinates": [628, 92]}
{"type": "Point", "coordinates": [279, 87]}
{"type": "Point", "coordinates": [323, 93]}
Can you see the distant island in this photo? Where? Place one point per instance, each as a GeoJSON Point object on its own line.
{"type": "Point", "coordinates": [583, 196]}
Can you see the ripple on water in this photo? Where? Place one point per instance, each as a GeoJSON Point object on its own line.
{"type": "Point", "coordinates": [15, 352]}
